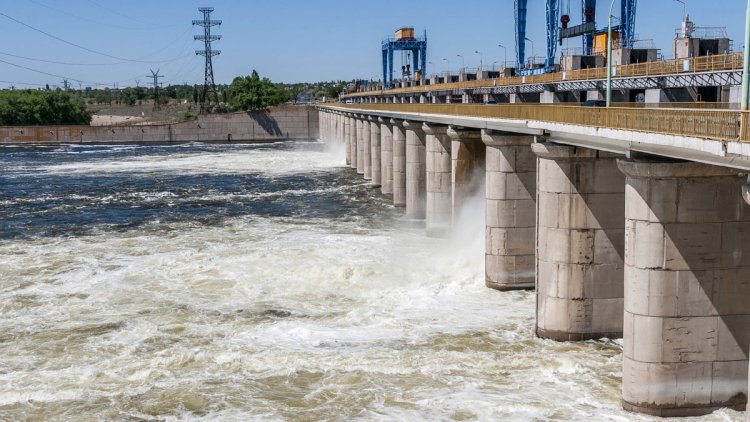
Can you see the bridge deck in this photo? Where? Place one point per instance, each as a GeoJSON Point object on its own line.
{"type": "Point", "coordinates": [704, 65]}
{"type": "Point", "coordinates": [724, 125]}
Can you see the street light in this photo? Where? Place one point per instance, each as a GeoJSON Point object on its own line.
{"type": "Point", "coordinates": [532, 49]}
{"type": "Point", "coordinates": [481, 59]}
{"type": "Point", "coordinates": [684, 8]}
{"type": "Point", "coordinates": [609, 54]}
{"type": "Point", "coordinates": [449, 63]}
{"type": "Point", "coordinates": [746, 64]}
{"type": "Point", "coordinates": [463, 62]}
{"type": "Point", "coordinates": [505, 54]}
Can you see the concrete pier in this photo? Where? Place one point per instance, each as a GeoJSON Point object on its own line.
{"type": "Point", "coordinates": [580, 238]}
{"type": "Point", "coordinates": [366, 148]}
{"type": "Point", "coordinates": [375, 157]}
{"type": "Point", "coordinates": [467, 166]}
{"type": "Point", "coordinates": [352, 141]}
{"type": "Point", "coordinates": [337, 127]}
{"type": "Point", "coordinates": [399, 163]}
{"type": "Point", "coordinates": [360, 146]}
{"type": "Point", "coordinates": [510, 211]}
{"type": "Point", "coordinates": [416, 172]}
{"type": "Point", "coordinates": [347, 139]}
{"type": "Point", "coordinates": [687, 288]}
{"type": "Point", "coordinates": [438, 182]}
{"type": "Point", "coordinates": [386, 156]}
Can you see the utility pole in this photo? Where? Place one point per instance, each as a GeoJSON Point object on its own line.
{"type": "Point", "coordinates": [66, 85]}
{"type": "Point", "coordinates": [746, 64]}
{"type": "Point", "coordinates": [609, 55]}
{"type": "Point", "coordinates": [156, 77]}
{"type": "Point", "coordinates": [209, 87]}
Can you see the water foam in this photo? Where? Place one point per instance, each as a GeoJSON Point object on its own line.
{"type": "Point", "coordinates": [281, 318]}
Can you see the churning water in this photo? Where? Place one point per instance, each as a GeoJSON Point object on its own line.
{"type": "Point", "coordinates": [260, 282]}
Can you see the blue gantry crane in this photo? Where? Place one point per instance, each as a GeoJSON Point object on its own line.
{"type": "Point", "coordinates": [587, 29]}
{"type": "Point", "coordinates": [404, 41]}
{"type": "Point", "coordinates": [520, 11]}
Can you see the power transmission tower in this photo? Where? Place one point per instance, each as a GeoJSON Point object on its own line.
{"type": "Point", "coordinates": [66, 85]}
{"type": "Point", "coordinates": [209, 87]}
{"type": "Point", "coordinates": [156, 77]}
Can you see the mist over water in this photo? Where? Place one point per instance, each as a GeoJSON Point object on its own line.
{"type": "Point", "coordinates": [261, 282]}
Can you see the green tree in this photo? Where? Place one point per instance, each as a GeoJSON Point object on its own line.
{"type": "Point", "coordinates": [253, 93]}
{"type": "Point", "coordinates": [42, 108]}
{"type": "Point", "coordinates": [333, 91]}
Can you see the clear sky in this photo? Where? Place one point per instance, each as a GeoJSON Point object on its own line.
{"type": "Point", "coordinates": [289, 40]}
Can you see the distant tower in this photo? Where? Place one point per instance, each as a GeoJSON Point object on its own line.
{"type": "Point", "coordinates": [156, 77]}
{"type": "Point", "coordinates": [209, 87]}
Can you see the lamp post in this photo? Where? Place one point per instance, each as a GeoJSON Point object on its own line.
{"type": "Point", "coordinates": [481, 59]}
{"type": "Point", "coordinates": [684, 8]}
{"type": "Point", "coordinates": [532, 49]}
{"type": "Point", "coordinates": [609, 54]}
{"type": "Point", "coordinates": [505, 55]}
{"type": "Point", "coordinates": [746, 63]}
{"type": "Point", "coordinates": [463, 62]}
{"type": "Point", "coordinates": [449, 63]}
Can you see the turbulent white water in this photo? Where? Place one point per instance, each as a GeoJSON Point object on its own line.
{"type": "Point", "coordinates": [315, 313]}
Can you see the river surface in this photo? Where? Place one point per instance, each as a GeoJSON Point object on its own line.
{"type": "Point", "coordinates": [261, 282]}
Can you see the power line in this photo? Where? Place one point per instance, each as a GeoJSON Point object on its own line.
{"type": "Point", "coordinates": [126, 16]}
{"type": "Point", "coordinates": [107, 24]}
{"type": "Point", "coordinates": [21, 83]}
{"type": "Point", "coordinates": [74, 44]}
{"type": "Point", "coordinates": [61, 76]}
{"type": "Point", "coordinates": [86, 64]}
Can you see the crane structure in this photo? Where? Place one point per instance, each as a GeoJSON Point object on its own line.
{"type": "Point", "coordinates": [404, 41]}
{"type": "Point", "coordinates": [556, 33]}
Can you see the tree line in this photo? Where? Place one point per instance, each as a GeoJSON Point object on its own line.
{"type": "Point", "coordinates": [245, 93]}
{"type": "Point", "coordinates": [42, 108]}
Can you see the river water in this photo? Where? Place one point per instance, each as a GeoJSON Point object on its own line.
{"type": "Point", "coordinates": [260, 282]}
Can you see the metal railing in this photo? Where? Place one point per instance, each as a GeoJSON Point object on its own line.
{"type": "Point", "coordinates": [719, 62]}
{"type": "Point", "coordinates": [700, 123]}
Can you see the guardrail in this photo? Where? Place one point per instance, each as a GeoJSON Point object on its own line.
{"type": "Point", "coordinates": [700, 123]}
{"type": "Point", "coordinates": [719, 62]}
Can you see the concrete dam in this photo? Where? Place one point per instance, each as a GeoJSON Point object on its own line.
{"type": "Point", "coordinates": [622, 233]}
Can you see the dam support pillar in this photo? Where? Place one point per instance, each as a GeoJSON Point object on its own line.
{"type": "Point", "coordinates": [360, 145]}
{"type": "Point", "coordinates": [386, 156]}
{"type": "Point", "coordinates": [581, 241]}
{"type": "Point", "coordinates": [366, 148]}
{"type": "Point", "coordinates": [322, 116]}
{"type": "Point", "coordinates": [467, 167]}
{"type": "Point", "coordinates": [347, 139]}
{"type": "Point", "coordinates": [340, 125]}
{"type": "Point", "coordinates": [416, 172]}
{"type": "Point", "coordinates": [336, 128]}
{"type": "Point", "coordinates": [687, 288]}
{"type": "Point", "coordinates": [438, 183]}
{"type": "Point", "coordinates": [352, 141]}
{"type": "Point", "coordinates": [375, 171]}
{"type": "Point", "coordinates": [510, 208]}
{"type": "Point", "coordinates": [399, 163]}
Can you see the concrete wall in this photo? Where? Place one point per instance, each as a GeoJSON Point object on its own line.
{"type": "Point", "coordinates": [291, 122]}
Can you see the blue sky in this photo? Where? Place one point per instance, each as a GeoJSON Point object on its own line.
{"type": "Point", "coordinates": [289, 40]}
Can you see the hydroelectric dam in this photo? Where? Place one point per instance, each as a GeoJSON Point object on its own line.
{"type": "Point", "coordinates": [623, 231]}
